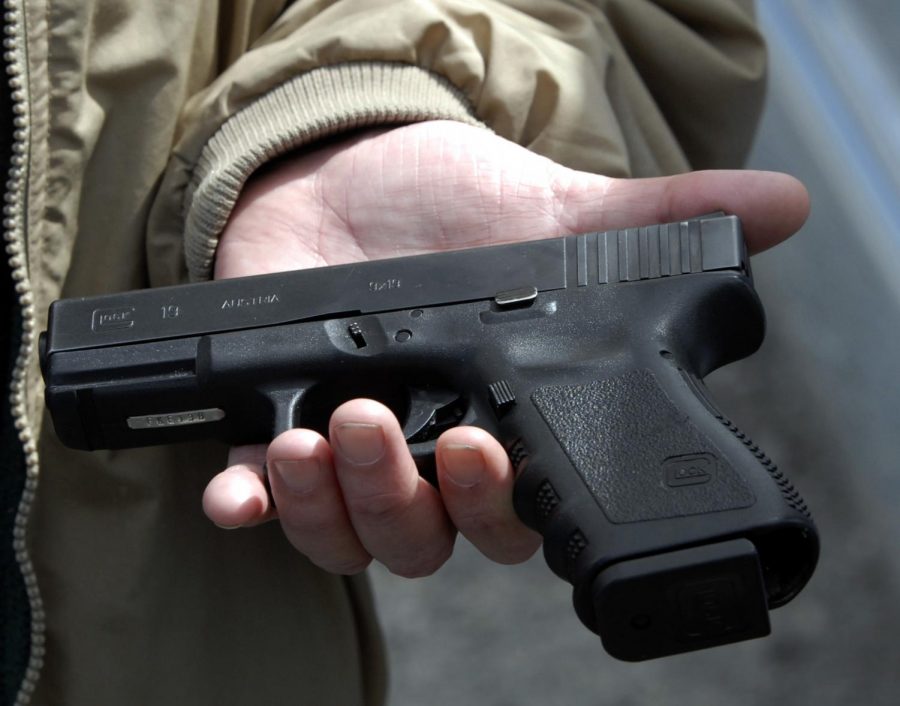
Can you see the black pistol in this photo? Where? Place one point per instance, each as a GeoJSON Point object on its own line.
{"type": "Point", "coordinates": [583, 355]}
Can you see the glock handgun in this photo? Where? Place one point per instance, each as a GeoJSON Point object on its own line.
{"type": "Point", "coordinates": [583, 355]}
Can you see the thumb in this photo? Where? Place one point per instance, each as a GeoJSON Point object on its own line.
{"type": "Point", "coordinates": [500, 191]}
{"type": "Point", "coordinates": [771, 206]}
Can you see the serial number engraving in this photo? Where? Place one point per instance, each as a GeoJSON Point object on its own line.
{"type": "Point", "coordinates": [175, 419]}
{"type": "Point", "coordinates": [250, 301]}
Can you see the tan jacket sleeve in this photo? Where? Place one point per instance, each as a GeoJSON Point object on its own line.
{"type": "Point", "coordinates": [621, 87]}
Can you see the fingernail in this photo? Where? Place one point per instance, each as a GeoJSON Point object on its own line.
{"type": "Point", "coordinates": [361, 444]}
{"type": "Point", "coordinates": [300, 476]}
{"type": "Point", "coordinates": [463, 464]}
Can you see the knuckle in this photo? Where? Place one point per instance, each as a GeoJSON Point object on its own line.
{"type": "Point", "coordinates": [481, 523]}
{"type": "Point", "coordinates": [507, 546]}
{"type": "Point", "coordinates": [501, 539]}
{"type": "Point", "coordinates": [307, 524]}
{"type": "Point", "coordinates": [380, 508]}
{"type": "Point", "coordinates": [410, 572]}
{"type": "Point", "coordinates": [515, 551]}
{"type": "Point", "coordinates": [423, 563]}
{"type": "Point", "coordinates": [345, 566]}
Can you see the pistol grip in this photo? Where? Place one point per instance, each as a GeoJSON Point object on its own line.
{"type": "Point", "coordinates": [650, 505]}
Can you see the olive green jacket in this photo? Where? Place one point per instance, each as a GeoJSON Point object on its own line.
{"type": "Point", "coordinates": [136, 124]}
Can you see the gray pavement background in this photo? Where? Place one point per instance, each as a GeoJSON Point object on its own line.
{"type": "Point", "coordinates": [822, 398]}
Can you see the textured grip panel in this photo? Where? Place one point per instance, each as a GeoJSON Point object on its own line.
{"type": "Point", "coordinates": [640, 456]}
{"type": "Point", "coordinates": [546, 500]}
{"type": "Point", "coordinates": [577, 543]}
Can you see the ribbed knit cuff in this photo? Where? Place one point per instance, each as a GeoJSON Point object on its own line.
{"type": "Point", "coordinates": [323, 102]}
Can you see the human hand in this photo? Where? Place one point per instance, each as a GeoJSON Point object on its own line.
{"type": "Point", "coordinates": [427, 187]}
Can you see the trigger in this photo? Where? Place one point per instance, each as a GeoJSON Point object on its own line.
{"type": "Point", "coordinates": [430, 413]}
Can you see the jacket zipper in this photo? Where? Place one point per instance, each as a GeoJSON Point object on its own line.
{"type": "Point", "coordinates": [14, 236]}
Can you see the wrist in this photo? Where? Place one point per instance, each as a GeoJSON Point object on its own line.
{"type": "Point", "coordinates": [306, 110]}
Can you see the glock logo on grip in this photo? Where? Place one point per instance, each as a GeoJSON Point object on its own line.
{"type": "Point", "coordinates": [104, 319]}
{"type": "Point", "coordinates": [693, 469]}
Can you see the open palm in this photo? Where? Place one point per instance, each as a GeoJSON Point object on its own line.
{"type": "Point", "coordinates": [423, 188]}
